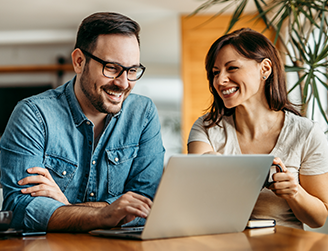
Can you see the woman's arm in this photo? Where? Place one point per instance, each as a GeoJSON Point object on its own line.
{"type": "Point", "coordinates": [198, 147]}
{"type": "Point", "coordinates": [308, 199]}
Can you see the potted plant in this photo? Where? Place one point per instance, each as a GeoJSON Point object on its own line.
{"type": "Point", "coordinates": [301, 28]}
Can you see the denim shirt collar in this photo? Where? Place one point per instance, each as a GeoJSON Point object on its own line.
{"type": "Point", "coordinates": [76, 110]}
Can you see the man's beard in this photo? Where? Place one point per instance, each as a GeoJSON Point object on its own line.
{"type": "Point", "coordinates": [97, 100]}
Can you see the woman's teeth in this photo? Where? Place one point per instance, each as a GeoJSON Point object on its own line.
{"type": "Point", "coordinates": [229, 91]}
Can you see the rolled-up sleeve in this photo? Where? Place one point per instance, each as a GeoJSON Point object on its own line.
{"type": "Point", "coordinates": [22, 147]}
{"type": "Point", "coordinates": [39, 211]}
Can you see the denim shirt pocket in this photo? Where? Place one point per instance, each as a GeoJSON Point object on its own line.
{"type": "Point", "coordinates": [61, 170]}
{"type": "Point", "coordinates": [119, 164]}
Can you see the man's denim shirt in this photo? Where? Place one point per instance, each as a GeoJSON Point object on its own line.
{"type": "Point", "coordinates": [50, 130]}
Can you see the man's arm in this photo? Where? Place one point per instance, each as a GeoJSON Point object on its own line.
{"type": "Point", "coordinates": [81, 218]}
{"type": "Point", "coordinates": [84, 216]}
{"type": "Point", "coordinates": [22, 147]}
{"type": "Point", "coordinates": [45, 185]}
{"type": "Point", "coordinates": [36, 212]}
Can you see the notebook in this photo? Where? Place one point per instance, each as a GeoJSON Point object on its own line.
{"type": "Point", "coordinates": [202, 195]}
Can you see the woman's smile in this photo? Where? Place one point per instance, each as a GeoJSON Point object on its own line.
{"type": "Point", "coordinates": [227, 92]}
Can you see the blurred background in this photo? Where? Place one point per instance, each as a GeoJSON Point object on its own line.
{"type": "Point", "coordinates": [42, 33]}
{"type": "Point", "coordinates": [37, 38]}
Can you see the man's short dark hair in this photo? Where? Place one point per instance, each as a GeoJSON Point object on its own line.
{"type": "Point", "coordinates": [104, 23]}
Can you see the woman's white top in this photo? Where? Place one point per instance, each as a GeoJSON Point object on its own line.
{"type": "Point", "coordinates": [301, 145]}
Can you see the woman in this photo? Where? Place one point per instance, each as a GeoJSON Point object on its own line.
{"type": "Point", "coordinates": [251, 114]}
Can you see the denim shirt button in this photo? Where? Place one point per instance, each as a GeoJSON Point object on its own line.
{"type": "Point", "coordinates": [93, 162]}
{"type": "Point", "coordinates": [64, 173]}
{"type": "Point", "coordinates": [88, 123]}
{"type": "Point", "coordinates": [116, 159]}
{"type": "Point", "coordinates": [92, 194]}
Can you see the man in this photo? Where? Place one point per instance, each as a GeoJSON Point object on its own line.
{"type": "Point", "coordinates": [86, 155]}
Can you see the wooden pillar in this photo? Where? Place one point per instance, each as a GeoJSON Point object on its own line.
{"type": "Point", "coordinates": [197, 35]}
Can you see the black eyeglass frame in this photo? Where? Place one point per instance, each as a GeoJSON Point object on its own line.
{"type": "Point", "coordinates": [104, 63]}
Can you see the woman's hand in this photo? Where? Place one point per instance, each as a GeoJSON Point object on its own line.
{"type": "Point", "coordinates": [285, 184]}
{"type": "Point", "coordinates": [46, 186]}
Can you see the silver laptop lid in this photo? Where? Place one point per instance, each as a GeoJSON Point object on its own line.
{"type": "Point", "coordinates": [206, 194]}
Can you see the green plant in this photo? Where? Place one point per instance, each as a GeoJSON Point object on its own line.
{"type": "Point", "coordinates": [301, 28]}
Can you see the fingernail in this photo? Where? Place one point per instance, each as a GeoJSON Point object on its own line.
{"type": "Point", "coordinates": [20, 182]}
{"type": "Point", "coordinates": [23, 190]}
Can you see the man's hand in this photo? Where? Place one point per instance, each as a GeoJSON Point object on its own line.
{"type": "Point", "coordinates": [127, 208]}
{"type": "Point", "coordinates": [84, 218]}
{"type": "Point", "coordinates": [46, 186]}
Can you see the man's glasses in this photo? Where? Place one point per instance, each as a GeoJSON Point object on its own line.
{"type": "Point", "coordinates": [114, 70]}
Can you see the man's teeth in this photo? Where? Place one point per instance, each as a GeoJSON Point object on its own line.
{"type": "Point", "coordinates": [229, 91]}
{"type": "Point", "coordinates": [114, 94]}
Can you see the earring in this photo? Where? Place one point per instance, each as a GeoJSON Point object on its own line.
{"type": "Point", "coordinates": [264, 77]}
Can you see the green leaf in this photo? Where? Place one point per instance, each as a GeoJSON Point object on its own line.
{"type": "Point", "coordinates": [324, 53]}
{"type": "Point", "coordinates": [236, 15]}
{"type": "Point", "coordinates": [293, 68]}
{"type": "Point", "coordinates": [306, 87]}
{"type": "Point", "coordinates": [321, 81]}
{"type": "Point", "coordinates": [280, 24]}
{"type": "Point", "coordinates": [317, 97]}
{"type": "Point", "coordinates": [309, 18]}
{"type": "Point", "coordinates": [297, 83]}
{"type": "Point", "coordinates": [261, 12]}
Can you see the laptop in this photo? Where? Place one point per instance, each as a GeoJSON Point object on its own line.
{"type": "Point", "coordinates": [201, 195]}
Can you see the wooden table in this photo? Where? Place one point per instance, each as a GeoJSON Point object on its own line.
{"type": "Point", "coordinates": [283, 239]}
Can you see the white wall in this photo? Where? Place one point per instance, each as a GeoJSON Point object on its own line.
{"type": "Point", "coordinates": [32, 54]}
{"type": "Point", "coordinates": [166, 92]}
